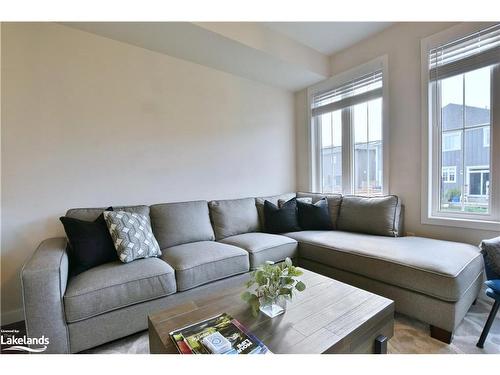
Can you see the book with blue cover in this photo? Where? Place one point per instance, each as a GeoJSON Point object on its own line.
{"type": "Point", "coordinates": [189, 340]}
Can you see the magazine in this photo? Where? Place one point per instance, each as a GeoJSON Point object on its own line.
{"type": "Point", "coordinates": [189, 340]}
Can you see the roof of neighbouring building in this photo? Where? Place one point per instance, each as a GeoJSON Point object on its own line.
{"type": "Point", "coordinates": [452, 115]}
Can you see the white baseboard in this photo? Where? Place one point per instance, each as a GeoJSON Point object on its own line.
{"type": "Point", "coordinates": [12, 316]}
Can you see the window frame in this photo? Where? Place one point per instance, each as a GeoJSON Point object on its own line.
{"type": "Point", "coordinates": [314, 133]}
{"type": "Point", "coordinates": [431, 136]}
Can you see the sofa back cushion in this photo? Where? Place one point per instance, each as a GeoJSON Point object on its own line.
{"type": "Point", "coordinates": [334, 202]}
{"type": "Point", "coordinates": [371, 215]}
{"type": "Point", "coordinates": [181, 222]}
{"type": "Point", "coordinates": [274, 199]}
{"type": "Point", "coordinates": [234, 216]}
{"type": "Point", "coordinates": [90, 214]}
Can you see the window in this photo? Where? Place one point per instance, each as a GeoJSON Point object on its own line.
{"type": "Point", "coordinates": [462, 78]}
{"type": "Point", "coordinates": [486, 137]}
{"type": "Point", "coordinates": [478, 181]}
{"type": "Point", "coordinates": [449, 175]}
{"type": "Point", "coordinates": [452, 141]}
{"type": "Point", "coordinates": [347, 126]}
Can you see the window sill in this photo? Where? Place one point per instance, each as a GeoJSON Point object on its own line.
{"type": "Point", "coordinates": [462, 223]}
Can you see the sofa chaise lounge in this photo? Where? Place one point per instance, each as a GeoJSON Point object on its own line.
{"type": "Point", "coordinates": [211, 245]}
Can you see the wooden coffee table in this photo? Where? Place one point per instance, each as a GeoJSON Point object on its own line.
{"type": "Point", "coordinates": [328, 317]}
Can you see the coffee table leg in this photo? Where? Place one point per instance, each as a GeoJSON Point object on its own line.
{"type": "Point", "coordinates": [381, 344]}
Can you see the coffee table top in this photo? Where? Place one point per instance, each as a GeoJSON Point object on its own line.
{"type": "Point", "coordinates": [326, 316]}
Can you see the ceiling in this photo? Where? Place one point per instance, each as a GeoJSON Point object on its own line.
{"type": "Point", "coordinates": [328, 37]}
{"type": "Point", "coordinates": [289, 55]}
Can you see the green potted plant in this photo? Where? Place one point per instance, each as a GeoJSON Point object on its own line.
{"type": "Point", "coordinates": [272, 284]}
{"type": "Point", "coordinates": [453, 195]}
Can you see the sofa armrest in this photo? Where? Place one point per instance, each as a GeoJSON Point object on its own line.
{"type": "Point", "coordinates": [44, 277]}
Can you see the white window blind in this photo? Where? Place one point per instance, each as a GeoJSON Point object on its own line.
{"type": "Point", "coordinates": [356, 91]}
{"type": "Point", "coordinates": [469, 53]}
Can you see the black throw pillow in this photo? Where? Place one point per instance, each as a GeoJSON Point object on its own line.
{"type": "Point", "coordinates": [281, 220]}
{"type": "Point", "coordinates": [90, 243]}
{"type": "Point", "coordinates": [314, 216]}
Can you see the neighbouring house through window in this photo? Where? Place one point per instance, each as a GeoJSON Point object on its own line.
{"type": "Point", "coordinates": [452, 141]}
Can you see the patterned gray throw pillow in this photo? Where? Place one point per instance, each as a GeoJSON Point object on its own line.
{"type": "Point", "coordinates": [491, 250]}
{"type": "Point", "coordinates": [132, 235]}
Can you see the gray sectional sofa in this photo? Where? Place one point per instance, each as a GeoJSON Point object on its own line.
{"type": "Point", "coordinates": [211, 245]}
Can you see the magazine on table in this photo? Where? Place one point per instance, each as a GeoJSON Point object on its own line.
{"type": "Point", "coordinates": [190, 339]}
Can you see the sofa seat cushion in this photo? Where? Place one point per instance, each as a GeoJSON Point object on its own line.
{"type": "Point", "coordinates": [440, 269]}
{"type": "Point", "coordinates": [264, 246]}
{"type": "Point", "coordinates": [202, 262]}
{"type": "Point", "coordinates": [115, 285]}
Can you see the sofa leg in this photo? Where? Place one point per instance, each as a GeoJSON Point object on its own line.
{"type": "Point", "coordinates": [441, 334]}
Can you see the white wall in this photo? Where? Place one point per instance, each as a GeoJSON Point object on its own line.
{"type": "Point", "coordinates": [401, 43]}
{"type": "Point", "coordinates": [88, 121]}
